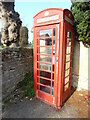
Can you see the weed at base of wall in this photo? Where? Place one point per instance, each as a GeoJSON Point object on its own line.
{"type": "Point", "coordinates": [27, 86]}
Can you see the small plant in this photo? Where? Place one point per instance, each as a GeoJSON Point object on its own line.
{"type": "Point", "coordinates": [1, 46]}
{"type": "Point", "coordinates": [7, 101]}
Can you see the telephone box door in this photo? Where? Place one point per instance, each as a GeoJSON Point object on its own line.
{"type": "Point", "coordinates": [45, 63]}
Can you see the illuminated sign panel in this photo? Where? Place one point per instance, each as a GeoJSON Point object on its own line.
{"type": "Point", "coordinates": [46, 19]}
{"type": "Point", "coordinates": [68, 20]}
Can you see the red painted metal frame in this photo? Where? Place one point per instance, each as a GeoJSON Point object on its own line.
{"type": "Point", "coordinates": [44, 96]}
{"type": "Point", "coordinates": [66, 93]}
{"type": "Point", "coordinates": [59, 81]}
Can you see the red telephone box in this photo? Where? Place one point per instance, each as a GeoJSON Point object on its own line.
{"type": "Point", "coordinates": [53, 46]}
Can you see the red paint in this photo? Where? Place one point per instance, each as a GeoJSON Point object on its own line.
{"type": "Point", "coordinates": [87, 97]}
{"type": "Point", "coordinates": [51, 89]}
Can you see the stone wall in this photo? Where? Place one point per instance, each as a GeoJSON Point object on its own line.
{"type": "Point", "coordinates": [81, 67]}
{"type": "Point", "coordinates": [15, 63]}
{"type": "Point", "coordinates": [23, 36]}
{"type": "Point", "coordinates": [11, 24]}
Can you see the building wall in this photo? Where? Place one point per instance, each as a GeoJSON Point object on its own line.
{"type": "Point", "coordinates": [81, 67]}
{"type": "Point", "coordinates": [75, 65]}
{"type": "Point", "coordinates": [15, 62]}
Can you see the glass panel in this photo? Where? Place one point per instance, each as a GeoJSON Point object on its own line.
{"type": "Point", "coordinates": [69, 34]}
{"type": "Point", "coordinates": [52, 84]}
{"type": "Point", "coordinates": [66, 79]}
{"type": "Point", "coordinates": [45, 74]}
{"type": "Point", "coordinates": [66, 87]}
{"type": "Point", "coordinates": [46, 42]}
{"type": "Point", "coordinates": [54, 32]}
{"type": "Point", "coordinates": [57, 66]}
{"type": "Point", "coordinates": [37, 65]}
{"type": "Point", "coordinates": [44, 50]}
{"type": "Point", "coordinates": [53, 60]}
{"type": "Point", "coordinates": [53, 68]}
{"type": "Point", "coordinates": [67, 72]}
{"type": "Point", "coordinates": [68, 50]}
{"type": "Point", "coordinates": [45, 58]}
{"type": "Point", "coordinates": [37, 57]}
{"type": "Point", "coordinates": [37, 41]}
{"type": "Point", "coordinates": [52, 91]}
{"type": "Point", "coordinates": [46, 33]}
{"type": "Point", "coordinates": [37, 49]}
{"type": "Point", "coordinates": [68, 42]}
{"type": "Point", "coordinates": [37, 77]}
{"type": "Point", "coordinates": [53, 50]}
{"type": "Point", "coordinates": [44, 89]}
{"type": "Point", "coordinates": [53, 76]}
{"type": "Point", "coordinates": [67, 65]}
{"type": "Point", "coordinates": [67, 58]}
{"type": "Point", "coordinates": [52, 87]}
{"type": "Point", "coordinates": [45, 82]}
{"type": "Point", "coordinates": [54, 41]}
{"type": "Point", "coordinates": [45, 66]}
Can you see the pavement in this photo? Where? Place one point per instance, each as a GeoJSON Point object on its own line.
{"type": "Point", "coordinates": [75, 107]}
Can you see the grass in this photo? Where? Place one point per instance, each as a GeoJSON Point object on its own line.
{"type": "Point", "coordinates": [27, 86]}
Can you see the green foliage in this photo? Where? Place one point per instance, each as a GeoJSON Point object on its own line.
{"type": "Point", "coordinates": [1, 46]}
{"type": "Point", "coordinates": [81, 13]}
{"type": "Point", "coordinates": [7, 102]}
{"type": "Point", "coordinates": [27, 86]}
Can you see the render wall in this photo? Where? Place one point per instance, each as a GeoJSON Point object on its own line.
{"type": "Point", "coordinates": [81, 67]}
{"type": "Point", "coordinates": [15, 63]}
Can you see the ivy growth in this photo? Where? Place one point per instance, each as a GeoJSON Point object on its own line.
{"type": "Point", "coordinates": [81, 13]}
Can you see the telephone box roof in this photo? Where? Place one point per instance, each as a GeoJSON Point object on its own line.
{"type": "Point", "coordinates": [58, 9]}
